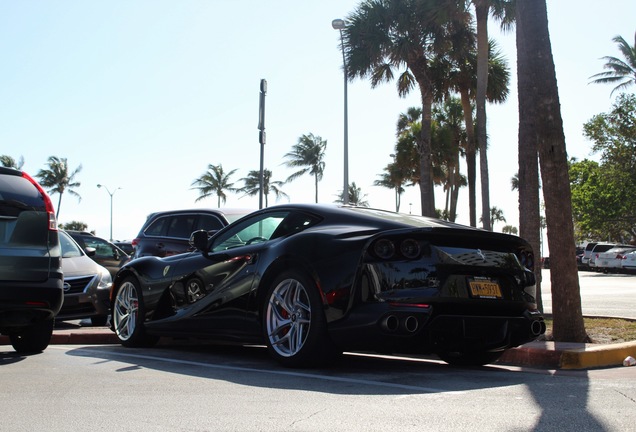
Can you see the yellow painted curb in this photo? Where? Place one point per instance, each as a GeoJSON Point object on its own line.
{"type": "Point", "coordinates": [597, 355]}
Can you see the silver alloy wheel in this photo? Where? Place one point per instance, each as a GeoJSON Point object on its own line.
{"type": "Point", "coordinates": [125, 312]}
{"type": "Point", "coordinates": [194, 290]}
{"type": "Point", "coordinates": [288, 317]}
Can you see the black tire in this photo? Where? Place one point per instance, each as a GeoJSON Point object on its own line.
{"type": "Point", "coordinates": [99, 320]}
{"type": "Point", "coordinates": [479, 358]}
{"type": "Point", "coordinates": [294, 324]}
{"type": "Point", "coordinates": [33, 339]}
{"type": "Point", "coordinates": [128, 316]}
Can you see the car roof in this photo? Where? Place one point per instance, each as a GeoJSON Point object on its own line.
{"type": "Point", "coordinates": [221, 211]}
{"type": "Point", "coordinates": [83, 233]}
{"type": "Point", "coordinates": [348, 213]}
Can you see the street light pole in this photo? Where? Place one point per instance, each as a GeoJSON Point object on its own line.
{"type": "Point", "coordinates": [111, 207]}
{"type": "Point", "coordinates": [340, 24]}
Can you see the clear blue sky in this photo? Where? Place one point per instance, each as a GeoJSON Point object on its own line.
{"type": "Point", "coordinates": [145, 94]}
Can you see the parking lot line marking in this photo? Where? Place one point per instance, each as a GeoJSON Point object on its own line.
{"type": "Point", "coordinates": [271, 372]}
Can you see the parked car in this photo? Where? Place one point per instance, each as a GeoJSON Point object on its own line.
{"type": "Point", "coordinates": [101, 251]}
{"type": "Point", "coordinates": [628, 265]}
{"type": "Point", "coordinates": [166, 233]}
{"type": "Point", "coordinates": [31, 278]}
{"type": "Point", "coordinates": [309, 281]}
{"type": "Point", "coordinates": [599, 249]}
{"type": "Point", "coordinates": [611, 261]}
{"type": "Point", "coordinates": [86, 285]}
{"type": "Point", "coordinates": [587, 252]}
{"type": "Point", "coordinates": [126, 246]}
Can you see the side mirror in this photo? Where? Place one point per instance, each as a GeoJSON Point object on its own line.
{"type": "Point", "coordinates": [199, 240]}
{"type": "Point", "coordinates": [90, 251]}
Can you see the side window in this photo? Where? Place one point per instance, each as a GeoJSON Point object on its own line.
{"type": "Point", "coordinates": [208, 222]}
{"type": "Point", "coordinates": [181, 226]}
{"type": "Point", "coordinates": [102, 248]}
{"type": "Point", "coordinates": [69, 248]}
{"type": "Point", "coordinates": [158, 227]}
{"type": "Point", "coordinates": [253, 230]}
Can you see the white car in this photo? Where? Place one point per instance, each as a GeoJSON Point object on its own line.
{"type": "Point", "coordinates": [612, 259]}
{"type": "Point", "coordinates": [628, 265]}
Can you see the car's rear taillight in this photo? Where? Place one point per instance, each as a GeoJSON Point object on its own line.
{"type": "Point", "coordinates": [47, 202]}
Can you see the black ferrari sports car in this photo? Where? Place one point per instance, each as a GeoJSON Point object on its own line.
{"type": "Point", "coordinates": [311, 281]}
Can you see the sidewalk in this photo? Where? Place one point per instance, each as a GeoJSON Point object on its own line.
{"type": "Point", "coordinates": [539, 354]}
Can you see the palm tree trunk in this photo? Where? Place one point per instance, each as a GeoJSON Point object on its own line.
{"type": "Point", "coordinates": [455, 191]}
{"type": "Point", "coordinates": [482, 8]}
{"type": "Point", "coordinates": [316, 186]}
{"type": "Point", "coordinates": [538, 94]}
{"type": "Point", "coordinates": [59, 204]}
{"type": "Point", "coordinates": [471, 160]}
{"type": "Point", "coordinates": [427, 196]}
{"type": "Point", "coordinates": [528, 176]}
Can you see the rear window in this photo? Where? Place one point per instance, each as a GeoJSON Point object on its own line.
{"type": "Point", "coordinates": [603, 248]}
{"type": "Point", "coordinates": [18, 194]}
{"type": "Point", "coordinates": [23, 217]}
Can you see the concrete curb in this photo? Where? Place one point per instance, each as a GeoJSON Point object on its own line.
{"type": "Point", "coordinates": [566, 355]}
{"type": "Point", "coordinates": [598, 356]}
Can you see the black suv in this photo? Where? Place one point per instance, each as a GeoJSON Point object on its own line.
{"type": "Point", "coordinates": [31, 279]}
{"type": "Point", "coordinates": [167, 233]}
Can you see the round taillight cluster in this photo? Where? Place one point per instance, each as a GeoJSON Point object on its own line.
{"type": "Point", "coordinates": [384, 249]}
{"type": "Point", "coordinates": [410, 248]}
{"type": "Point", "coordinates": [388, 249]}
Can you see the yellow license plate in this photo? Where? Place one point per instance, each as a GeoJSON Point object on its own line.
{"type": "Point", "coordinates": [485, 289]}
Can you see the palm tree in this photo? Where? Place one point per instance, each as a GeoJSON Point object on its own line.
{"type": "Point", "coordinates": [462, 78]}
{"type": "Point", "coordinates": [308, 154]}
{"type": "Point", "coordinates": [448, 137]}
{"type": "Point", "coordinates": [252, 185]}
{"type": "Point", "coordinates": [509, 229]}
{"type": "Point", "coordinates": [619, 71]}
{"type": "Point", "coordinates": [408, 132]}
{"type": "Point", "coordinates": [8, 161]}
{"type": "Point", "coordinates": [356, 197]}
{"type": "Point", "coordinates": [496, 215]}
{"type": "Point", "coordinates": [392, 178]}
{"type": "Point", "coordinates": [58, 179]}
{"type": "Point", "coordinates": [405, 165]}
{"type": "Point", "coordinates": [214, 182]}
{"type": "Point", "coordinates": [541, 128]}
{"type": "Point", "coordinates": [385, 35]}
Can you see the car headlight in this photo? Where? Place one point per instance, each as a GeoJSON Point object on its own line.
{"type": "Point", "coordinates": [105, 280]}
